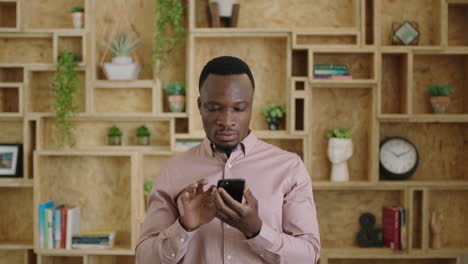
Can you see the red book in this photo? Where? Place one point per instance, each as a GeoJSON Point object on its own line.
{"type": "Point", "coordinates": [391, 228]}
{"type": "Point", "coordinates": [63, 227]}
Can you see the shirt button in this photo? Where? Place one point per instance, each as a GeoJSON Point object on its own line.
{"type": "Point", "coordinates": [261, 255]}
{"type": "Point", "coordinates": [229, 165]}
{"type": "Point", "coordinates": [229, 257]}
{"type": "Point", "coordinates": [172, 255]}
{"type": "Point", "coordinates": [182, 240]}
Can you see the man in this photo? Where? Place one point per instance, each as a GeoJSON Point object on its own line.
{"type": "Point", "coordinates": [189, 223]}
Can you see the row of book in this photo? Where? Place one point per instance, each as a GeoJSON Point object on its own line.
{"type": "Point", "coordinates": [331, 71]}
{"type": "Point", "coordinates": [59, 227]}
{"type": "Point", "coordinates": [394, 228]}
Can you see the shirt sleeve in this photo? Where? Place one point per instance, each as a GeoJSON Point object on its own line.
{"type": "Point", "coordinates": [299, 241]}
{"type": "Point", "coordinates": [162, 238]}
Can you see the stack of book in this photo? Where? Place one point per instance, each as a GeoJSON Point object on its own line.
{"type": "Point", "coordinates": [94, 240]}
{"type": "Point", "coordinates": [57, 224]}
{"type": "Point", "coordinates": [394, 228]}
{"type": "Point", "coordinates": [332, 71]}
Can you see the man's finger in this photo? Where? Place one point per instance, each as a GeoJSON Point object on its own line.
{"type": "Point", "coordinates": [249, 197]}
{"type": "Point", "coordinates": [231, 202]}
{"type": "Point", "coordinates": [221, 206]}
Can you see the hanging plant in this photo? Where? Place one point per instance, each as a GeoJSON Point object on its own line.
{"type": "Point", "coordinates": [169, 29]}
{"type": "Point", "coordinates": [65, 88]}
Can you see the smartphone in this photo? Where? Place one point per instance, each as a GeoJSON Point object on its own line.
{"type": "Point", "coordinates": [235, 187]}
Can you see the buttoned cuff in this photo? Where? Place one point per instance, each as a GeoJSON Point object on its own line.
{"type": "Point", "coordinates": [178, 234]}
{"type": "Point", "coordinates": [265, 240]}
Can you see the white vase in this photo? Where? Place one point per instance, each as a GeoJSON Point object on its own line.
{"type": "Point", "coordinates": [339, 151]}
{"type": "Point", "coordinates": [122, 68]}
{"type": "Point", "coordinates": [225, 7]}
{"type": "Point", "coordinates": [78, 18]}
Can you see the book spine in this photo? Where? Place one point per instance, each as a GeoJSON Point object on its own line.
{"type": "Point", "coordinates": [41, 226]}
{"type": "Point", "coordinates": [50, 235]}
{"type": "Point", "coordinates": [57, 227]}
{"type": "Point", "coordinates": [331, 72]}
{"type": "Point", "coordinates": [63, 227]}
{"type": "Point", "coordinates": [329, 67]}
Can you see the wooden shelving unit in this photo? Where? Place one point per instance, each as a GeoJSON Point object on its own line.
{"type": "Point", "coordinates": [281, 41]}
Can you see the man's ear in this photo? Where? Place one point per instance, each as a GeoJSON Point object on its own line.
{"type": "Point", "coordinates": [199, 104]}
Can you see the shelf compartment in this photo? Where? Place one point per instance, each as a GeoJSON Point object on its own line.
{"type": "Point", "coordinates": [330, 38]}
{"type": "Point", "coordinates": [71, 44]}
{"type": "Point", "coordinates": [8, 15]}
{"type": "Point", "coordinates": [352, 108]}
{"type": "Point", "coordinates": [339, 212]}
{"type": "Point", "coordinates": [40, 94]}
{"type": "Point", "coordinates": [12, 131]}
{"type": "Point", "coordinates": [108, 259]}
{"type": "Point", "coordinates": [442, 151]}
{"type": "Point", "coordinates": [181, 125]}
{"type": "Point", "coordinates": [299, 111]}
{"type": "Point", "coordinates": [50, 14]}
{"type": "Point", "coordinates": [300, 58]}
{"type": "Point", "coordinates": [427, 13]}
{"type": "Point", "coordinates": [267, 14]}
{"type": "Point", "coordinates": [19, 216]}
{"type": "Point", "coordinates": [34, 49]}
{"type": "Point", "coordinates": [259, 53]}
{"type": "Point", "coordinates": [359, 65]}
{"type": "Point", "coordinates": [92, 134]}
{"type": "Point", "coordinates": [416, 218]}
{"type": "Point", "coordinates": [17, 256]}
{"type": "Point", "coordinates": [140, 16]}
{"type": "Point", "coordinates": [453, 216]}
{"type": "Point", "coordinates": [294, 145]}
{"type": "Point", "coordinates": [10, 98]}
{"type": "Point", "coordinates": [123, 100]}
{"type": "Point", "coordinates": [394, 99]}
{"type": "Point", "coordinates": [72, 179]}
{"type": "Point", "coordinates": [369, 22]}
{"type": "Point", "coordinates": [11, 74]}
{"type": "Point", "coordinates": [61, 259]}
{"type": "Point", "coordinates": [438, 68]}
{"type": "Point", "coordinates": [399, 260]}
{"type": "Point", "coordinates": [457, 21]}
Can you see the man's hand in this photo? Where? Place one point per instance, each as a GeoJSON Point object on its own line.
{"type": "Point", "coordinates": [243, 217]}
{"type": "Point", "coordinates": [198, 205]}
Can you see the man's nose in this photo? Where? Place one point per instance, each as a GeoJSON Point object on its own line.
{"type": "Point", "coordinates": [226, 118]}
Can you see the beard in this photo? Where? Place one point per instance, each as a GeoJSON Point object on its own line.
{"type": "Point", "coordinates": [228, 150]}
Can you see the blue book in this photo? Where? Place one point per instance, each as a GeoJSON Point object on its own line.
{"type": "Point", "coordinates": [43, 222]}
{"type": "Point", "coordinates": [57, 222]}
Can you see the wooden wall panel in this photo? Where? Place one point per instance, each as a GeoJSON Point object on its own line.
{"type": "Point", "coordinates": [458, 19]}
{"type": "Point", "coordinates": [9, 100]}
{"type": "Point", "coordinates": [12, 131]}
{"type": "Point", "coordinates": [26, 50]}
{"type": "Point", "coordinates": [12, 256]}
{"type": "Point", "coordinates": [11, 232]}
{"type": "Point", "coordinates": [394, 83]}
{"type": "Point", "coordinates": [123, 100]}
{"type": "Point", "coordinates": [49, 14]}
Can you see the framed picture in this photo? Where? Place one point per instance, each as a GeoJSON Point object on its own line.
{"type": "Point", "coordinates": [406, 33]}
{"type": "Point", "coordinates": [10, 160]}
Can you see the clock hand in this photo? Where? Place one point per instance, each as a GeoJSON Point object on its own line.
{"type": "Point", "coordinates": [404, 153]}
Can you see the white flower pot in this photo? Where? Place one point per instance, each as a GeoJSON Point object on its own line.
{"type": "Point", "coordinates": [122, 68]}
{"type": "Point", "coordinates": [339, 151]}
{"type": "Point", "coordinates": [78, 19]}
{"type": "Point", "coordinates": [225, 7]}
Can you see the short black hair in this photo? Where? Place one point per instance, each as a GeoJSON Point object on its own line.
{"type": "Point", "coordinates": [225, 65]}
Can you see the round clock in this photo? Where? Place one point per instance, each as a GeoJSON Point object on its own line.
{"type": "Point", "coordinates": [398, 158]}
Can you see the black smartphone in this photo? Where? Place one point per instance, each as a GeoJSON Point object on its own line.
{"type": "Point", "coordinates": [235, 187]}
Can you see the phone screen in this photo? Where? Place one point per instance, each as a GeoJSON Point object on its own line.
{"type": "Point", "coordinates": [235, 187]}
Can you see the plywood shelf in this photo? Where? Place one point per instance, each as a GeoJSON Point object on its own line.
{"type": "Point", "coordinates": [315, 83]}
{"type": "Point", "coordinates": [125, 84]}
{"type": "Point", "coordinates": [83, 252]}
{"type": "Point", "coordinates": [16, 182]}
{"type": "Point", "coordinates": [15, 246]}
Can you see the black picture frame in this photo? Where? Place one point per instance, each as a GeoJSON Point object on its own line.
{"type": "Point", "coordinates": [11, 158]}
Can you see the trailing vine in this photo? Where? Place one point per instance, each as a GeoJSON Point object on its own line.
{"type": "Point", "coordinates": [65, 88]}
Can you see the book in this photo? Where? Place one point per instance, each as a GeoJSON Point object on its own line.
{"type": "Point", "coordinates": [331, 72]}
{"type": "Point", "coordinates": [402, 229]}
{"type": "Point", "coordinates": [63, 227]}
{"type": "Point", "coordinates": [57, 220]}
{"type": "Point", "coordinates": [329, 67]}
{"type": "Point", "coordinates": [391, 227]}
{"type": "Point", "coordinates": [42, 222]}
{"type": "Point", "coordinates": [73, 224]}
{"type": "Point", "coordinates": [91, 246]}
{"type": "Point", "coordinates": [49, 231]}
{"type": "Point", "coordinates": [333, 77]}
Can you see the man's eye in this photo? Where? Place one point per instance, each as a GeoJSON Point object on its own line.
{"type": "Point", "coordinates": [239, 109]}
{"type": "Point", "coordinates": [213, 109]}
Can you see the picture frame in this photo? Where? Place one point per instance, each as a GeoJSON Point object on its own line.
{"type": "Point", "coordinates": [11, 160]}
{"type": "Point", "coordinates": [406, 33]}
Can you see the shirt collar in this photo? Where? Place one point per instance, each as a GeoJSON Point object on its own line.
{"type": "Point", "coordinates": [246, 144]}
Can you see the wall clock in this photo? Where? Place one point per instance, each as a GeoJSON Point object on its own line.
{"type": "Point", "coordinates": [398, 158]}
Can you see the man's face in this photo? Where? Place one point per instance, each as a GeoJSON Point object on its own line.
{"type": "Point", "coordinates": [225, 105]}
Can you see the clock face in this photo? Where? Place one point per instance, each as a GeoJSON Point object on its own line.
{"type": "Point", "coordinates": [398, 156]}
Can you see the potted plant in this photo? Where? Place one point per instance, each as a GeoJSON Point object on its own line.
{"type": "Point", "coordinates": [169, 28]}
{"type": "Point", "coordinates": [65, 88]}
{"type": "Point", "coordinates": [143, 135]}
{"type": "Point", "coordinates": [122, 66]}
{"type": "Point", "coordinates": [78, 16]}
{"type": "Point", "coordinates": [114, 137]}
{"type": "Point", "coordinates": [176, 96]}
{"type": "Point", "coordinates": [440, 96]}
{"type": "Point", "coordinates": [340, 149]}
{"type": "Point", "coordinates": [274, 114]}
{"type": "Point", "coordinates": [225, 7]}
{"type": "Point", "coordinates": [147, 187]}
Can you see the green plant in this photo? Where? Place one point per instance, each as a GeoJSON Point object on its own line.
{"type": "Point", "coordinates": [176, 88]}
{"type": "Point", "coordinates": [77, 9]}
{"type": "Point", "coordinates": [274, 111]}
{"type": "Point", "coordinates": [143, 131]}
{"type": "Point", "coordinates": [147, 187]}
{"type": "Point", "coordinates": [169, 28]}
{"type": "Point", "coordinates": [65, 88]}
{"type": "Point", "coordinates": [440, 89]}
{"type": "Point", "coordinates": [123, 45]}
{"type": "Point", "coordinates": [339, 133]}
{"type": "Point", "coordinates": [114, 131]}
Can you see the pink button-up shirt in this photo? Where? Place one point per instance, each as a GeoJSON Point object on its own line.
{"type": "Point", "coordinates": [278, 180]}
